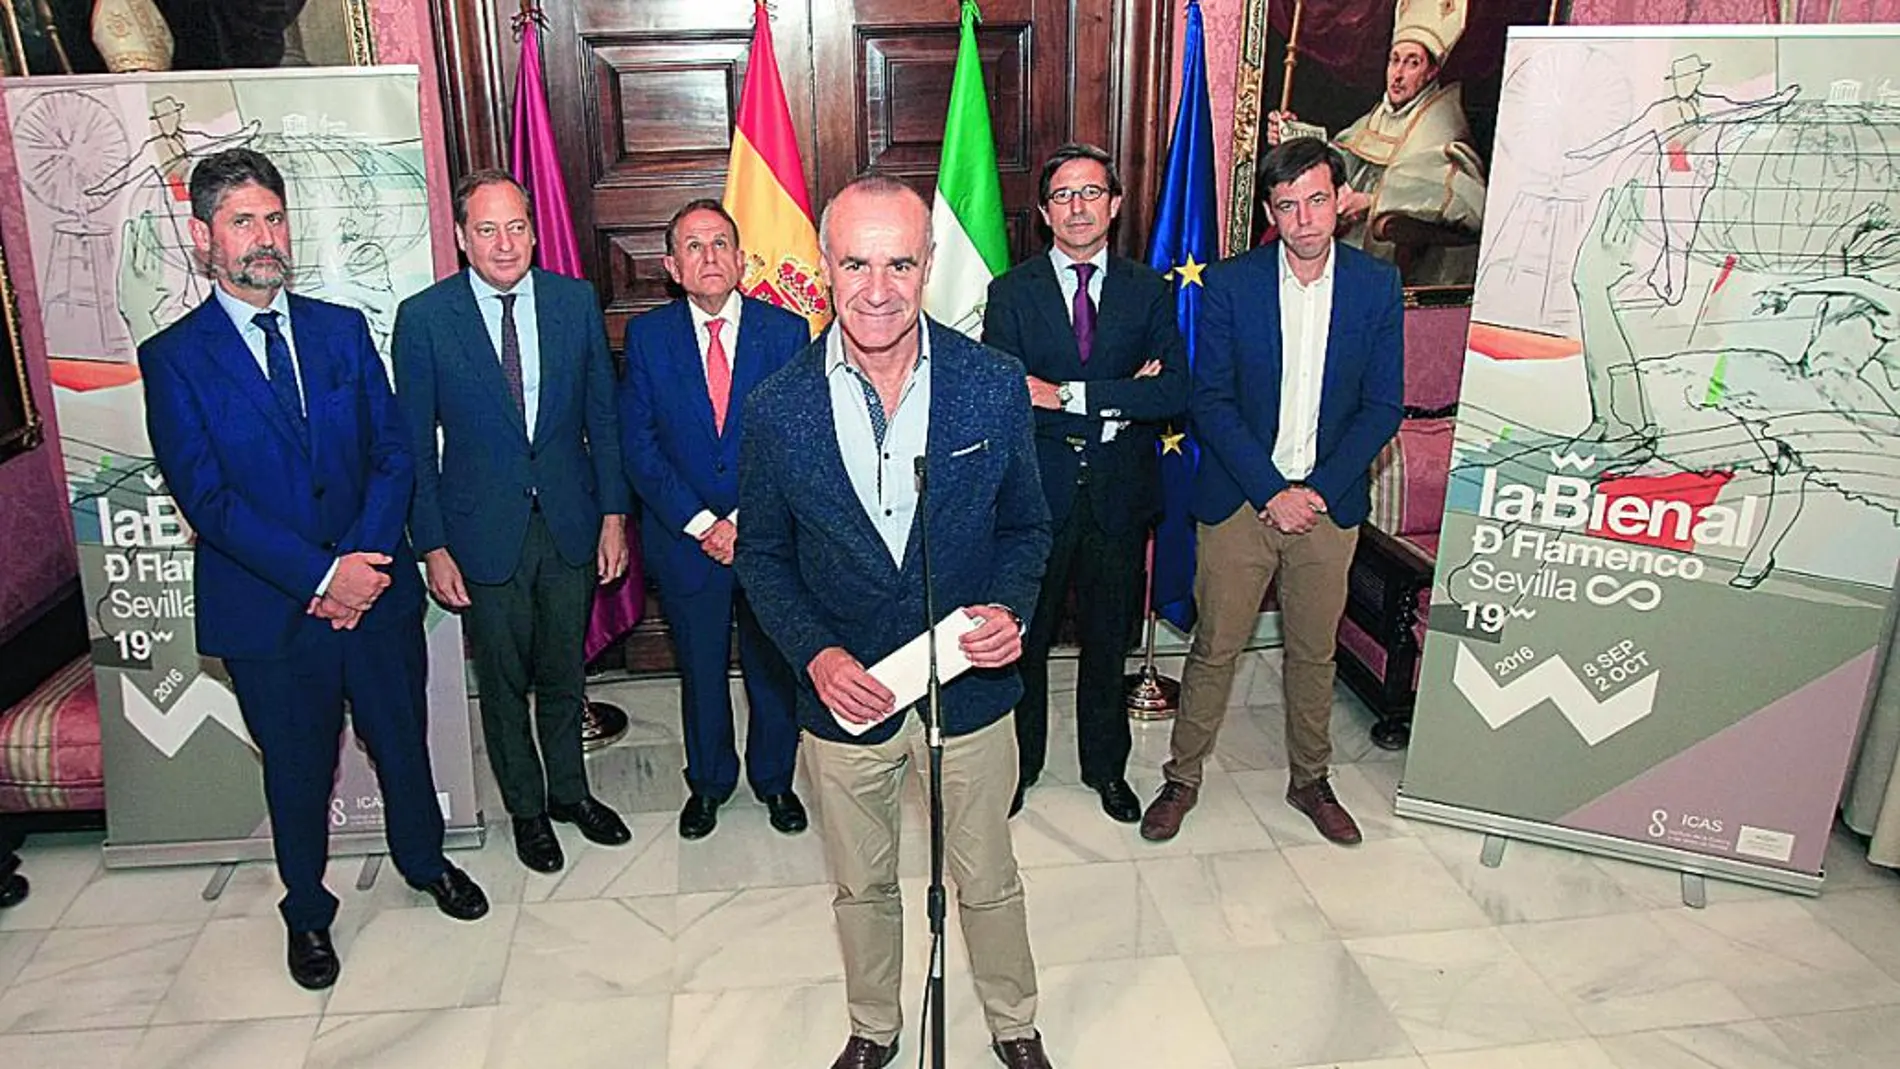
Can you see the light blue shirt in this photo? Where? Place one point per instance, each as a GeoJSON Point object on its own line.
{"type": "Point", "coordinates": [884, 475]}
{"type": "Point", "coordinates": [243, 316]}
{"type": "Point", "coordinates": [527, 324]}
{"type": "Point", "coordinates": [1078, 402]}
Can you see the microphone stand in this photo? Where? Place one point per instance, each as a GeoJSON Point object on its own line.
{"type": "Point", "coordinates": [932, 709]}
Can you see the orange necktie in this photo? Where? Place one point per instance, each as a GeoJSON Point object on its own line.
{"type": "Point", "coordinates": [718, 374]}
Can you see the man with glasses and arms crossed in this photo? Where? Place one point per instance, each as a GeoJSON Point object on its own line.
{"type": "Point", "coordinates": [1106, 366]}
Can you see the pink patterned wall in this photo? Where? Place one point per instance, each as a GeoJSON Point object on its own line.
{"type": "Point", "coordinates": [36, 535]}
{"type": "Point", "coordinates": [36, 531]}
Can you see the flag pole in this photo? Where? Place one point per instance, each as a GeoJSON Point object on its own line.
{"type": "Point", "coordinates": [1151, 695]}
{"type": "Point", "coordinates": [1292, 56]}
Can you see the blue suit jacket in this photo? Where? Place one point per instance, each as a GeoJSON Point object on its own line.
{"type": "Point", "coordinates": [676, 462]}
{"type": "Point", "coordinates": [813, 566]}
{"type": "Point", "coordinates": [1235, 401]}
{"type": "Point", "coordinates": [273, 507]}
{"type": "Point", "coordinates": [474, 494]}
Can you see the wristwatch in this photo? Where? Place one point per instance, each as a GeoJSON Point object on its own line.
{"type": "Point", "coordinates": [1064, 394]}
{"type": "Point", "coordinates": [1021, 627]}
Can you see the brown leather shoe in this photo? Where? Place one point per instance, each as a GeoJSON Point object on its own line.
{"type": "Point", "coordinates": [1318, 802]}
{"type": "Point", "coordinates": [1163, 819]}
{"type": "Point", "coordinates": [1021, 1053]}
{"type": "Point", "coordinates": [861, 1053]}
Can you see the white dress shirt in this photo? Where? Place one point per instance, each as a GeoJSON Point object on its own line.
{"type": "Point", "coordinates": [527, 332]}
{"type": "Point", "coordinates": [704, 519]}
{"type": "Point", "coordinates": [1306, 313]}
{"type": "Point", "coordinates": [882, 473]}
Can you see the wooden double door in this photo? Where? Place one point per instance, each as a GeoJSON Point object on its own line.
{"type": "Point", "coordinates": [644, 93]}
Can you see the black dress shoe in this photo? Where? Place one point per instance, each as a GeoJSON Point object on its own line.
{"type": "Point", "coordinates": [699, 817]}
{"type": "Point", "coordinates": [786, 813]}
{"type": "Point", "coordinates": [536, 845]}
{"type": "Point", "coordinates": [455, 894]}
{"type": "Point", "coordinates": [312, 959]}
{"type": "Point", "coordinates": [1118, 801]}
{"type": "Point", "coordinates": [1021, 1053]}
{"type": "Point", "coordinates": [861, 1053]}
{"type": "Point", "coordinates": [598, 824]}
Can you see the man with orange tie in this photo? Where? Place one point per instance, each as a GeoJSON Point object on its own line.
{"type": "Point", "coordinates": [690, 365]}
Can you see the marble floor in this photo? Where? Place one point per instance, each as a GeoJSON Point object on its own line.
{"type": "Point", "coordinates": [1246, 943]}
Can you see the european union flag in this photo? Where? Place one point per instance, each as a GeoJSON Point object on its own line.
{"type": "Point", "coordinates": [1183, 244]}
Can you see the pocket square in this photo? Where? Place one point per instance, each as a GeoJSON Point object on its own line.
{"type": "Point", "coordinates": [973, 447]}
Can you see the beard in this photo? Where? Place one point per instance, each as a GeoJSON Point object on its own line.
{"type": "Point", "coordinates": [261, 269]}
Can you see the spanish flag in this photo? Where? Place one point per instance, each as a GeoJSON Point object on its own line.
{"type": "Point", "coordinates": [765, 191]}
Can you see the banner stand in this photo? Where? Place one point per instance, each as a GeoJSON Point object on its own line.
{"type": "Point", "coordinates": [1610, 846]}
{"type": "Point", "coordinates": [230, 851]}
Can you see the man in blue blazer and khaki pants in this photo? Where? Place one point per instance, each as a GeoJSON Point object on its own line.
{"type": "Point", "coordinates": [271, 419]}
{"type": "Point", "coordinates": [690, 366]}
{"type": "Point", "coordinates": [523, 507]}
{"type": "Point", "coordinates": [831, 555]}
{"type": "Point", "coordinates": [1298, 383]}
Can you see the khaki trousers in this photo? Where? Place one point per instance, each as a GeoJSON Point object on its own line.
{"type": "Point", "coordinates": [859, 795]}
{"type": "Point", "coordinates": [1237, 559]}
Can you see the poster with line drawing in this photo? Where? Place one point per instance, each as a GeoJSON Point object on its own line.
{"type": "Point", "coordinates": [105, 163]}
{"type": "Point", "coordinates": [1673, 514]}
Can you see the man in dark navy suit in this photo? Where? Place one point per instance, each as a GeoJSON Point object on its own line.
{"type": "Point", "coordinates": [271, 419]}
{"type": "Point", "coordinates": [1106, 365]}
{"type": "Point", "coordinates": [831, 556]}
{"type": "Point", "coordinates": [690, 366]}
{"type": "Point", "coordinates": [1298, 380]}
{"type": "Point", "coordinates": [523, 507]}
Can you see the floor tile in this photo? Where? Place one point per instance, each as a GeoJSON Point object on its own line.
{"type": "Point", "coordinates": [1534, 882]}
{"type": "Point", "coordinates": [236, 1044]}
{"type": "Point", "coordinates": [427, 1039]}
{"type": "Point", "coordinates": [236, 972]}
{"type": "Point", "coordinates": [93, 978]}
{"type": "Point", "coordinates": [1462, 990]}
{"type": "Point", "coordinates": [1778, 958]}
{"type": "Point", "coordinates": [1736, 1045]}
{"type": "Point", "coordinates": [57, 873]}
{"type": "Point", "coordinates": [609, 1033]}
{"type": "Point", "coordinates": [418, 959]}
{"type": "Point", "coordinates": [557, 955]}
{"type": "Point", "coordinates": [1121, 919]}
{"type": "Point", "coordinates": [760, 1028]}
{"type": "Point", "coordinates": [1625, 973]}
{"type": "Point", "coordinates": [1296, 1005]}
{"type": "Point", "coordinates": [1567, 1054]}
{"type": "Point", "coordinates": [724, 944]}
{"type": "Point", "coordinates": [1383, 888]}
{"type": "Point", "coordinates": [1215, 902]}
{"type": "Point", "coordinates": [108, 1049]}
{"type": "Point", "coordinates": [1132, 1012]}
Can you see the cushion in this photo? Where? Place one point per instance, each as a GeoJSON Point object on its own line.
{"type": "Point", "coordinates": [1409, 477]}
{"type": "Point", "coordinates": [49, 746]}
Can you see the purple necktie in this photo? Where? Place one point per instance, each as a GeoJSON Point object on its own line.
{"type": "Point", "coordinates": [1084, 310]}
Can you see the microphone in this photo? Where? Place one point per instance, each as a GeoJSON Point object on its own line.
{"type": "Point", "coordinates": [932, 720]}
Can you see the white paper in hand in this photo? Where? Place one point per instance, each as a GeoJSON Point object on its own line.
{"type": "Point", "coordinates": [906, 672]}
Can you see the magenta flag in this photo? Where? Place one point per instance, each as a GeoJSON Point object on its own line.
{"type": "Point", "coordinates": [536, 164]}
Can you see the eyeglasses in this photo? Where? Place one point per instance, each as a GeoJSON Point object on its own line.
{"type": "Point", "coordinates": [1065, 195]}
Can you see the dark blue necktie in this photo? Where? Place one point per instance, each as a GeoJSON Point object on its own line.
{"type": "Point", "coordinates": [283, 374]}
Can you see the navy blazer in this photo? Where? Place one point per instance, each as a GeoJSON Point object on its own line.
{"type": "Point", "coordinates": [272, 506]}
{"type": "Point", "coordinates": [678, 464]}
{"type": "Point", "coordinates": [475, 493]}
{"type": "Point", "coordinates": [1237, 368]}
{"type": "Point", "coordinates": [1028, 319]}
{"type": "Point", "coordinates": [813, 566]}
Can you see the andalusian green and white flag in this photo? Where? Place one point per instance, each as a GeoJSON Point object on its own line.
{"type": "Point", "coordinates": [967, 217]}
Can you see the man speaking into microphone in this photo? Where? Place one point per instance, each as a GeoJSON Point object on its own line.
{"type": "Point", "coordinates": [831, 556]}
